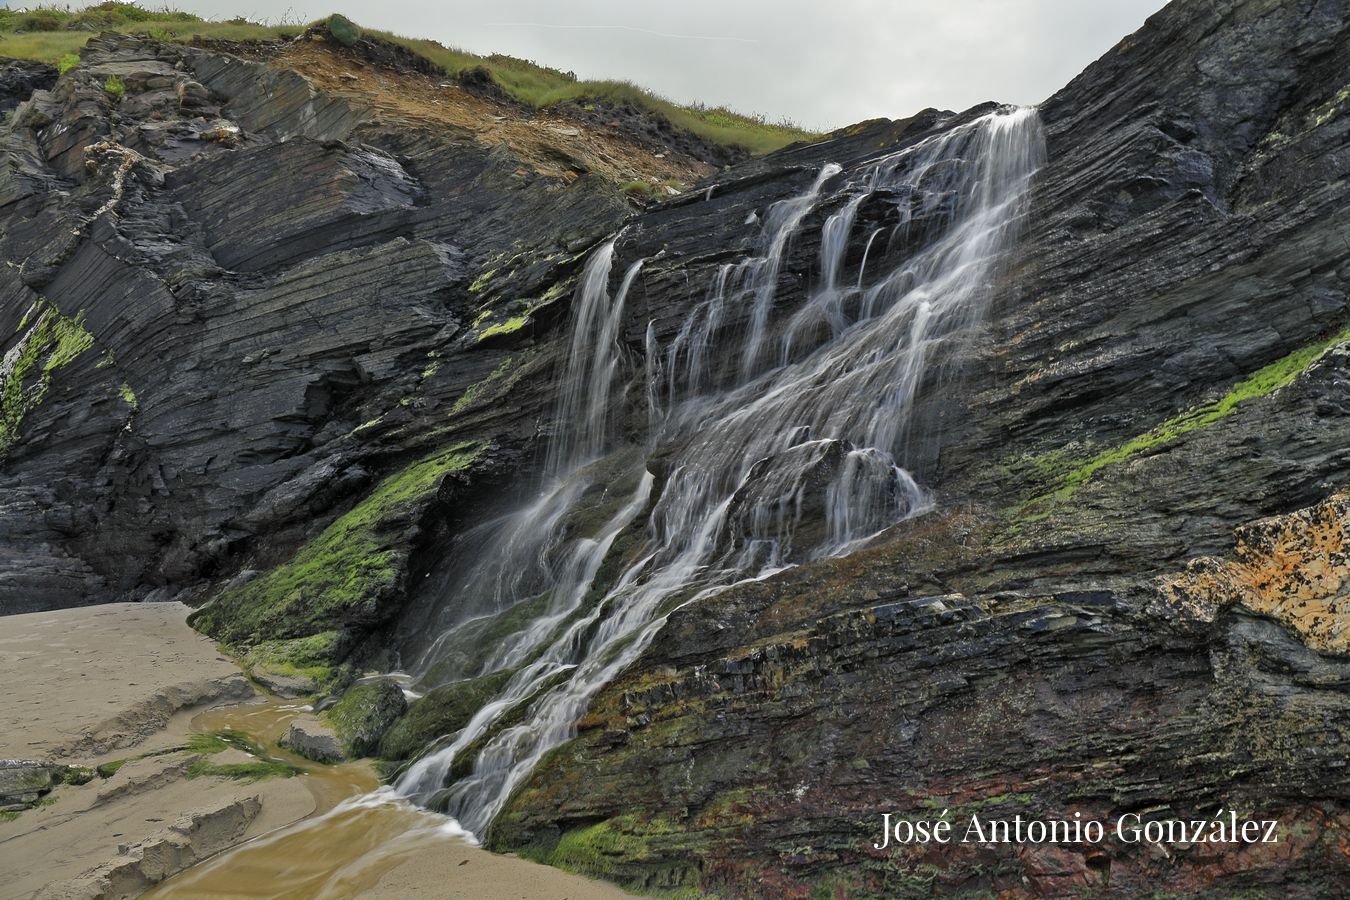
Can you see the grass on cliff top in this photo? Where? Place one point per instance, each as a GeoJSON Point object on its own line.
{"type": "Point", "coordinates": [542, 86]}
{"type": "Point", "coordinates": [52, 33]}
{"type": "Point", "coordinates": [344, 573]}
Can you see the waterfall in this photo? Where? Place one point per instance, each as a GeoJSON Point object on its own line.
{"type": "Point", "coordinates": [526, 555]}
{"type": "Point", "coordinates": [771, 459]}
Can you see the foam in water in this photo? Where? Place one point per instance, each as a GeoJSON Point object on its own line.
{"type": "Point", "coordinates": [793, 451]}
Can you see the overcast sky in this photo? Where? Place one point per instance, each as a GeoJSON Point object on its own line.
{"type": "Point", "coordinates": [823, 63]}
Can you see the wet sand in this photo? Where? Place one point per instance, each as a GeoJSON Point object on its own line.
{"type": "Point", "coordinates": [132, 682]}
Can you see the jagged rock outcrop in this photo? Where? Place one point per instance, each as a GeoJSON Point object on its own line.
{"type": "Point", "coordinates": [235, 300]}
{"type": "Point", "coordinates": [19, 78]}
{"type": "Point", "coordinates": [278, 341]}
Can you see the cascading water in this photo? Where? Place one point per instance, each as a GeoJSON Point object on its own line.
{"type": "Point", "coordinates": [785, 455]}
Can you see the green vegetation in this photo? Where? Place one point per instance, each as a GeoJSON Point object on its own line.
{"type": "Point", "coordinates": [540, 86]}
{"type": "Point", "coordinates": [109, 769]}
{"type": "Point", "coordinates": [67, 62]}
{"type": "Point", "coordinates": [52, 34]}
{"type": "Point", "coordinates": [261, 766]}
{"type": "Point", "coordinates": [643, 191]}
{"type": "Point", "coordinates": [510, 326]}
{"type": "Point", "coordinates": [444, 710]}
{"type": "Point", "coordinates": [128, 396]}
{"type": "Point", "coordinates": [341, 576]}
{"type": "Point", "coordinates": [54, 342]}
{"type": "Point", "coordinates": [311, 657]}
{"type": "Point", "coordinates": [1068, 474]}
{"type": "Point", "coordinates": [78, 775]}
{"type": "Point", "coordinates": [227, 738]}
{"type": "Point", "coordinates": [618, 849]}
{"type": "Point", "coordinates": [55, 34]}
{"type": "Point", "coordinates": [115, 87]}
{"type": "Point", "coordinates": [207, 743]}
{"type": "Point", "coordinates": [253, 770]}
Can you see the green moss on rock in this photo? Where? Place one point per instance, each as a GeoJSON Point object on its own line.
{"type": "Point", "coordinates": [309, 657]}
{"type": "Point", "coordinates": [109, 769]}
{"type": "Point", "coordinates": [365, 713]}
{"type": "Point", "coordinates": [345, 577]}
{"type": "Point", "coordinates": [51, 343]}
{"type": "Point", "coordinates": [253, 770]}
{"type": "Point", "coordinates": [477, 391]}
{"type": "Point", "coordinates": [620, 849]}
{"type": "Point", "coordinates": [510, 326]}
{"type": "Point", "coordinates": [1068, 474]}
{"type": "Point", "coordinates": [444, 710]}
{"type": "Point", "coordinates": [344, 30]}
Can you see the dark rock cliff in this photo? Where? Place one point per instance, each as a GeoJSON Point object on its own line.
{"type": "Point", "coordinates": [274, 343]}
{"type": "Point", "coordinates": [1075, 631]}
{"type": "Point", "coordinates": [233, 301]}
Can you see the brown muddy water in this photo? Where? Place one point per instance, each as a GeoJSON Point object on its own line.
{"type": "Point", "coordinates": [358, 832]}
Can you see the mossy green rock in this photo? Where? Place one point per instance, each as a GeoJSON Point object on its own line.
{"type": "Point", "coordinates": [299, 666]}
{"type": "Point", "coordinates": [24, 782]}
{"type": "Point", "coordinates": [344, 30]}
{"type": "Point", "coordinates": [365, 713]}
{"type": "Point", "coordinates": [349, 578]}
{"type": "Point", "coordinates": [444, 710]}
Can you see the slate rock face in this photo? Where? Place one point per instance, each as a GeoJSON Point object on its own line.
{"type": "Point", "coordinates": [19, 78]}
{"type": "Point", "coordinates": [264, 333]}
{"type": "Point", "coordinates": [269, 303]}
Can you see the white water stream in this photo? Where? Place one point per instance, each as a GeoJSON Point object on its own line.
{"type": "Point", "coordinates": [784, 441]}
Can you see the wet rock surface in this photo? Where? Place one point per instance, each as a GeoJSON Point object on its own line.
{"type": "Point", "coordinates": [365, 713]}
{"type": "Point", "coordinates": [1130, 599]}
{"type": "Point", "coordinates": [313, 740]}
{"type": "Point", "coordinates": [266, 332]}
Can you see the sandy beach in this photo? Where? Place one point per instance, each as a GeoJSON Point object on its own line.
{"type": "Point", "coordinates": [112, 695]}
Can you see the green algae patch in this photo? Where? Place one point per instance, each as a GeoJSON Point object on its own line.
{"type": "Point", "coordinates": [217, 741]}
{"type": "Point", "coordinates": [1068, 474]}
{"type": "Point", "coordinates": [347, 576]}
{"type": "Point", "coordinates": [260, 767]}
{"type": "Point", "coordinates": [510, 326]}
{"type": "Point", "coordinates": [481, 390]}
{"type": "Point", "coordinates": [51, 343]}
{"type": "Point", "coordinates": [109, 769]}
{"type": "Point", "coordinates": [254, 770]}
{"type": "Point", "coordinates": [481, 282]}
{"type": "Point", "coordinates": [442, 711]}
{"type": "Point", "coordinates": [308, 657]}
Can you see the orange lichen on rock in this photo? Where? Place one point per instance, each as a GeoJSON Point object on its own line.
{"type": "Point", "coordinates": [1294, 568]}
